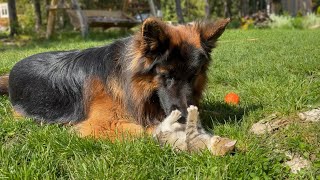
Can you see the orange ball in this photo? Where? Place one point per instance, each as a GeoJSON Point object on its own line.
{"type": "Point", "coordinates": [232, 98]}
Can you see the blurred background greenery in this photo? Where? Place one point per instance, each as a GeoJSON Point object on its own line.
{"type": "Point", "coordinates": [32, 15]}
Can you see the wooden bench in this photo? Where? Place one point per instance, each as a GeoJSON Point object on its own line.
{"type": "Point", "coordinates": [103, 18]}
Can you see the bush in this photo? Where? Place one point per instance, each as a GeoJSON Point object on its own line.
{"type": "Point", "coordinates": [235, 23]}
{"type": "Point", "coordinates": [283, 22]}
{"type": "Point", "coordinates": [297, 22]}
{"type": "Point", "coordinates": [309, 21]}
{"type": "Point", "coordinates": [247, 23]}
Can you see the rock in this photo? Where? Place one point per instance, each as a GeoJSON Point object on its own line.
{"type": "Point", "coordinates": [260, 128]}
{"type": "Point", "coordinates": [268, 124]}
{"type": "Point", "coordinates": [298, 163]}
{"type": "Point", "coordinates": [310, 116]}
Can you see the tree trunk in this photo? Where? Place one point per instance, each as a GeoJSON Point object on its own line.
{"type": "Point", "coordinates": [37, 12]}
{"type": "Point", "coordinates": [268, 7]}
{"type": "Point", "coordinates": [47, 9]}
{"type": "Point", "coordinates": [244, 4]}
{"type": "Point", "coordinates": [227, 8]}
{"type": "Point", "coordinates": [179, 11]}
{"type": "Point", "coordinates": [13, 19]}
{"type": "Point", "coordinates": [152, 8]}
{"type": "Point", "coordinates": [51, 19]}
{"type": "Point", "coordinates": [83, 20]}
{"type": "Point", "coordinates": [207, 9]}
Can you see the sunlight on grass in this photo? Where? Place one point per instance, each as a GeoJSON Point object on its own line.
{"type": "Point", "coordinates": [271, 70]}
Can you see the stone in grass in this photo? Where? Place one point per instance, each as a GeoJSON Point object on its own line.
{"type": "Point", "coordinates": [310, 116]}
{"type": "Point", "coordinates": [297, 163]}
{"type": "Point", "coordinates": [268, 124]}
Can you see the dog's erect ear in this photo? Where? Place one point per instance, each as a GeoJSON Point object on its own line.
{"type": "Point", "coordinates": [153, 32]}
{"type": "Point", "coordinates": [210, 32]}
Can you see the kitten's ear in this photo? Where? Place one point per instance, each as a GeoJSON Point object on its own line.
{"type": "Point", "coordinates": [231, 144]}
{"type": "Point", "coordinates": [153, 34]}
{"type": "Point", "coordinates": [211, 31]}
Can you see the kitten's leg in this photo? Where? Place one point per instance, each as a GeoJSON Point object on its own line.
{"type": "Point", "coordinates": [168, 121]}
{"type": "Point", "coordinates": [192, 118]}
{"type": "Point", "coordinates": [173, 117]}
{"type": "Point", "coordinates": [191, 128]}
{"type": "Point", "coordinates": [195, 139]}
{"type": "Point", "coordinates": [166, 124]}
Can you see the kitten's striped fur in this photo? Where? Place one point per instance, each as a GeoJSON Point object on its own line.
{"type": "Point", "coordinates": [191, 136]}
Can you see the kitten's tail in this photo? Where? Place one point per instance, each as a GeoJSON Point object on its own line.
{"type": "Point", "coordinates": [4, 84]}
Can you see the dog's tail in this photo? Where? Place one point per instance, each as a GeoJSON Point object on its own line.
{"type": "Point", "coordinates": [4, 84]}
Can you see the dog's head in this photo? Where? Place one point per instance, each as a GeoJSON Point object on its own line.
{"type": "Point", "coordinates": [178, 58]}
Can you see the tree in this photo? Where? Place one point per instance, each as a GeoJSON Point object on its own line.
{"type": "Point", "coordinates": [227, 8]}
{"type": "Point", "coordinates": [13, 19]}
{"type": "Point", "coordinates": [244, 4]}
{"type": "Point", "coordinates": [37, 12]}
{"type": "Point", "coordinates": [179, 11]}
{"type": "Point", "coordinates": [207, 8]}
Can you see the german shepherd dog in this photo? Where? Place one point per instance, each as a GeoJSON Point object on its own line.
{"type": "Point", "coordinates": [127, 86]}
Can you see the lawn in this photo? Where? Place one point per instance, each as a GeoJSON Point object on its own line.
{"type": "Point", "coordinates": [273, 71]}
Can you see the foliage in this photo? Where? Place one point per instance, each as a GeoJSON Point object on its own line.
{"type": "Point", "coordinates": [272, 71]}
{"type": "Point", "coordinates": [191, 9]}
{"type": "Point", "coordinates": [235, 23]}
{"type": "Point", "coordinates": [311, 21]}
{"type": "Point", "coordinates": [247, 23]}
{"type": "Point", "coordinates": [26, 19]}
{"type": "Point", "coordinates": [280, 21]}
{"type": "Point", "coordinates": [288, 22]}
{"type": "Point", "coordinates": [169, 11]}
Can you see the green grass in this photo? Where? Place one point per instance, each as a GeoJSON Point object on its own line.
{"type": "Point", "coordinates": [278, 71]}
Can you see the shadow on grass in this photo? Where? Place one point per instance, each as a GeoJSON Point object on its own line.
{"type": "Point", "coordinates": [34, 41]}
{"type": "Point", "coordinates": [221, 113]}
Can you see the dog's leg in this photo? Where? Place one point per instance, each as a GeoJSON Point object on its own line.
{"type": "Point", "coordinates": [107, 119]}
{"type": "Point", "coordinates": [110, 129]}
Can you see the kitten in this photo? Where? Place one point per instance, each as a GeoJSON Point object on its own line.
{"type": "Point", "coordinates": [191, 136]}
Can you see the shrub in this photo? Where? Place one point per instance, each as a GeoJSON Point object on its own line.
{"type": "Point", "coordinates": [309, 21]}
{"type": "Point", "coordinates": [247, 23]}
{"type": "Point", "coordinates": [284, 22]}
{"type": "Point", "coordinates": [235, 23]}
{"type": "Point", "coordinates": [297, 22]}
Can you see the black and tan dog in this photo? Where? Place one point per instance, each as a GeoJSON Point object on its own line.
{"type": "Point", "coordinates": [127, 86]}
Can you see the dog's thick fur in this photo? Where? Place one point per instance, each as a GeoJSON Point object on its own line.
{"type": "Point", "coordinates": [128, 85]}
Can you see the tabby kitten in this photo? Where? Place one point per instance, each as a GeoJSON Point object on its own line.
{"type": "Point", "coordinates": [191, 136]}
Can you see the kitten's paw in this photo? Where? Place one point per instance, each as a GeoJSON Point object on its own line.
{"type": "Point", "coordinates": [175, 115]}
{"type": "Point", "coordinates": [193, 112]}
{"type": "Point", "coordinates": [192, 108]}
